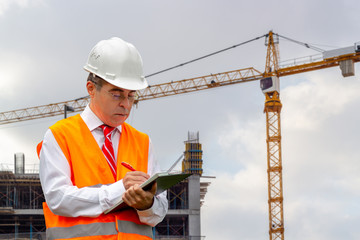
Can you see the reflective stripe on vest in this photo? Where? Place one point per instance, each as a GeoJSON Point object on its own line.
{"type": "Point", "coordinates": [130, 227]}
{"type": "Point", "coordinates": [96, 229]}
{"type": "Point", "coordinates": [93, 229]}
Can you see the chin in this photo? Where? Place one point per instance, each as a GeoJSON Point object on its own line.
{"type": "Point", "coordinates": [119, 121]}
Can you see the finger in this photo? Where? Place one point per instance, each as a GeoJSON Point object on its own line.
{"type": "Point", "coordinates": [136, 177]}
{"type": "Point", "coordinates": [131, 182]}
{"type": "Point", "coordinates": [153, 188]}
{"type": "Point", "coordinates": [138, 193]}
{"type": "Point", "coordinates": [129, 196]}
{"type": "Point", "coordinates": [141, 195]}
{"type": "Point", "coordinates": [137, 198]}
{"type": "Point", "coordinates": [138, 174]}
{"type": "Point", "coordinates": [132, 178]}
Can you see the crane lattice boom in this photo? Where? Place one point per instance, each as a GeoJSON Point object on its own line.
{"type": "Point", "coordinates": [175, 87]}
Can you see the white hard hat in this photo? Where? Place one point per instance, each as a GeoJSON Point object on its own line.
{"type": "Point", "coordinates": [117, 62]}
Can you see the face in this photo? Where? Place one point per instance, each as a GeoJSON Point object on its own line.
{"type": "Point", "coordinates": [107, 104]}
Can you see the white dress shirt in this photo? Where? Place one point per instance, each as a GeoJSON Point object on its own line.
{"type": "Point", "coordinates": [65, 199]}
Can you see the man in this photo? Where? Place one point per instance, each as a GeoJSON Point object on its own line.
{"type": "Point", "coordinates": [80, 159]}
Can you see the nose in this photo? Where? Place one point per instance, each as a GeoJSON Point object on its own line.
{"type": "Point", "coordinates": [125, 103]}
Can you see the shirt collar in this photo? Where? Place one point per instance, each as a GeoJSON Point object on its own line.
{"type": "Point", "coordinates": [91, 120]}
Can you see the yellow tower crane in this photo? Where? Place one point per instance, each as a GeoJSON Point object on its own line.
{"type": "Point", "coordinates": [272, 109]}
{"type": "Point", "coordinates": [269, 83]}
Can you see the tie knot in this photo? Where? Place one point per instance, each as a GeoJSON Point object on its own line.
{"type": "Point", "coordinates": [107, 129]}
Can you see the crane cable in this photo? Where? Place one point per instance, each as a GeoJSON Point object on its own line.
{"type": "Point", "coordinates": [303, 44]}
{"type": "Point", "coordinates": [205, 56]}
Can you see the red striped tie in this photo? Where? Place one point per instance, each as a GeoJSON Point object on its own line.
{"type": "Point", "coordinates": [108, 149]}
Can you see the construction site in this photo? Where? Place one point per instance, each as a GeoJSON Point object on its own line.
{"type": "Point", "coordinates": [21, 195]}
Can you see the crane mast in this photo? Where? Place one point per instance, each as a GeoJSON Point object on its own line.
{"type": "Point", "coordinates": [272, 110]}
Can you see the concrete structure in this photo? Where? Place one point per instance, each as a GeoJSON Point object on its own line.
{"type": "Point", "coordinates": [185, 199]}
{"type": "Point", "coordinates": [21, 199]}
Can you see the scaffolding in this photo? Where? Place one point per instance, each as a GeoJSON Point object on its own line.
{"type": "Point", "coordinates": [193, 155]}
{"type": "Point", "coordinates": [21, 201]}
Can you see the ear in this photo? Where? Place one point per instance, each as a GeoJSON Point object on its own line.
{"type": "Point", "coordinates": [91, 88]}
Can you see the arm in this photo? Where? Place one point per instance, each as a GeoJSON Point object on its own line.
{"type": "Point", "coordinates": [61, 196]}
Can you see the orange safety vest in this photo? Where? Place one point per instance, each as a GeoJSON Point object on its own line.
{"type": "Point", "coordinates": [90, 168]}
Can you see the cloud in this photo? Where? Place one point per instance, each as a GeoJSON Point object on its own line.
{"type": "Point", "coordinates": [321, 182]}
{"type": "Point", "coordinates": [5, 5]}
{"type": "Point", "coordinates": [11, 144]}
{"type": "Point", "coordinates": [236, 205]}
{"type": "Point", "coordinates": [236, 201]}
{"type": "Point", "coordinates": [243, 137]}
{"type": "Point", "coordinates": [309, 103]}
{"type": "Point", "coordinates": [14, 72]}
{"type": "Point", "coordinates": [320, 157]}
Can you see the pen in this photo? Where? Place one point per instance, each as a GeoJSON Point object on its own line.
{"type": "Point", "coordinates": [128, 166]}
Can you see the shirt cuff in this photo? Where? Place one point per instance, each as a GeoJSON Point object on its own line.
{"type": "Point", "coordinates": [150, 211]}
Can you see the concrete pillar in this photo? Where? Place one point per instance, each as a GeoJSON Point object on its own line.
{"type": "Point", "coordinates": [194, 207]}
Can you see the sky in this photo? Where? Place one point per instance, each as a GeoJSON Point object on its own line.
{"type": "Point", "coordinates": [44, 46]}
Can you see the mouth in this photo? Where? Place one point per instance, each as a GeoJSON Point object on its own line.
{"type": "Point", "coordinates": [121, 114]}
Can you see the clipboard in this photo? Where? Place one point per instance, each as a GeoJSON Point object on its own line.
{"type": "Point", "coordinates": [164, 181]}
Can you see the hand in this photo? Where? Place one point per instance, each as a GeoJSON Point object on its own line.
{"type": "Point", "coordinates": [137, 198]}
{"type": "Point", "coordinates": [133, 178]}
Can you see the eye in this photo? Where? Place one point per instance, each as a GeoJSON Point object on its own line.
{"type": "Point", "coordinates": [116, 96]}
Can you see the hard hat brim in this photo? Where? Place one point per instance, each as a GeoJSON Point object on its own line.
{"type": "Point", "coordinates": [123, 82]}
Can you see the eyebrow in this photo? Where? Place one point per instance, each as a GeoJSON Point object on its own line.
{"type": "Point", "coordinates": [121, 90]}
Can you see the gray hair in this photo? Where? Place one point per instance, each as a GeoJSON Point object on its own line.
{"type": "Point", "coordinates": [99, 82]}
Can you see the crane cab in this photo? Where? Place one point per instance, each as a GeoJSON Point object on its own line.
{"type": "Point", "coordinates": [270, 84]}
{"type": "Point", "coordinates": [357, 47]}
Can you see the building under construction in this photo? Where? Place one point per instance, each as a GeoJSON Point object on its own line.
{"type": "Point", "coordinates": [21, 201]}
{"type": "Point", "coordinates": [21, 198]}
